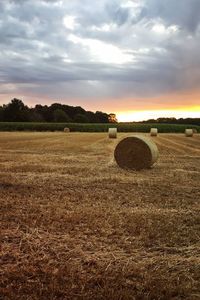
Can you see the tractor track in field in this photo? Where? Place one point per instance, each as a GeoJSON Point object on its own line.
{"type": "Point", "coordinates": [181, 147]}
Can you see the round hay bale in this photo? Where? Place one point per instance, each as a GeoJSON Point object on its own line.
{"type": "Point", "coordinates": [189, 132]}
{"type": "Point", "coordinates": [195, 130]}
{"type": "Point", "coordinates": [66, 129]}
{"type": "Point", "coordinates": [153, 132]}
{"type": "Point", "coordinates": [136, 153]}
{"type": "Point", "coordinates": [112, 133]}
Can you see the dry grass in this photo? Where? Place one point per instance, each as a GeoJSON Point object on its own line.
{"type": "Point", "coordinates": [75, 226]}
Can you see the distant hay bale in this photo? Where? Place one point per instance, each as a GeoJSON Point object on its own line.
{"type": "Point", "coordinates": [112, 133]}
{"type": "Point", "coordinates": [136, 153]}
{"type": "Point", "coordinates": [189, 132]}
{"type": "Point", "coordinates": [153, 132]}
{"type": "Point", "coordinates": [66, 129]}
{"type": "Point", "coordinates": [195, 130]}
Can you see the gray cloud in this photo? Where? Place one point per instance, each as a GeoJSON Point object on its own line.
{"type": "Point", "coordinates": [42, 56]}
{"type": "Point", "coordinates": [184, 13]}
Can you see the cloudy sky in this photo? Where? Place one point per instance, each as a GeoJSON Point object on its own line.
{"type": "Point", "coordinates": [137, 58]}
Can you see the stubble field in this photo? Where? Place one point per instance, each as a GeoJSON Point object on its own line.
{"type": "Point", "coordinates": [76, 226]}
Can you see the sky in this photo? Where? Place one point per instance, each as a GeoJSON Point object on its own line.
{"type": "Point", "coordinates": [136, 58]}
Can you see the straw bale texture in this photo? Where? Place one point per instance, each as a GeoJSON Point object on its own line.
{"type": "Point", "coordinates": [189, 132]}
{"type": "Point", "coordinates": [112, 133]}
{"type": "Point", "coordinates": [66, 129]}
{"type": "Point", "coordinates": [136, 153]}
{"type": "Point", "coordinates": [154, 132]}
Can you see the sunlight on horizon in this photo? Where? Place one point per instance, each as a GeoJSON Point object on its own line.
{"type": "Point", "coordinates": [143, 115]}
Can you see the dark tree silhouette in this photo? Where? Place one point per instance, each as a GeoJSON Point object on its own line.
{"type": "Point", "coordinates": [16, 111]}
{"type": "Point", "coordinates": [81, 118]}
{"type": "Point", "coordinates": [61, 116]}
{"type": "Point", "coordinates": [101, 117]}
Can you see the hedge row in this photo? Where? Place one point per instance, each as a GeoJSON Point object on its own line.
{"type": "Point", "coordinates": [122, 127]}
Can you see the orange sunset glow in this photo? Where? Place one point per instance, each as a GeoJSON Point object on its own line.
{"type": "Point", "coordinates": [142, 115]}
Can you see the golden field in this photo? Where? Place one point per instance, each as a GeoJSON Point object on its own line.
{"type": "Point", "coordinates": [76, 226]}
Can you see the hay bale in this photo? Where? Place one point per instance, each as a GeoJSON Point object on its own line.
{"type": "Point", "coordinates": [112, 133]}
{"type": "Point", "coordinates": [136, 153]}
{"type": "Point", "coordinates": [153, 132]}
{"type": "Point", "coordinates": [66, 129]}
{"type": "Point", "coordinates": [189, 132]}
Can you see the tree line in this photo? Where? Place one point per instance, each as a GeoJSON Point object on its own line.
{"type": "Point", "coordinates": [17, 111]}
{"type": "Point", "coordinates": [191, 121]}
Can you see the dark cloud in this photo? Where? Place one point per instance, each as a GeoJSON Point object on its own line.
{"type": "Point", "coordinates": [108, 50]}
